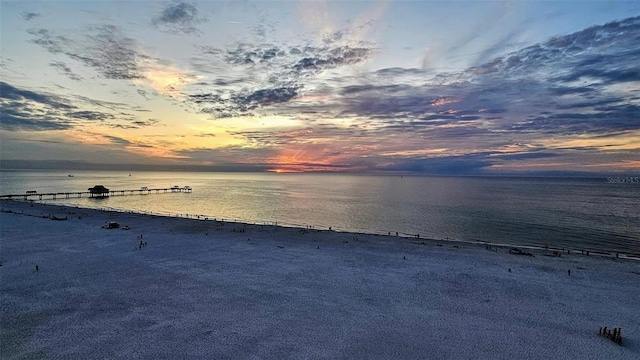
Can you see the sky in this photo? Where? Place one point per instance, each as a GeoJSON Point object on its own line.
{"type": "Point", "coordinates": [425, 87]}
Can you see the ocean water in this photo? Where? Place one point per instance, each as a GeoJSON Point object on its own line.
{"type": "Point", "coordinates": [574, 213]}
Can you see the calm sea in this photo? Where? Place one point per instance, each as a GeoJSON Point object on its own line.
{"type": "Point", "coordinates": [572, 213]}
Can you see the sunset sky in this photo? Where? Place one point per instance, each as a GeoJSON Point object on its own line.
{"type": "Point", "coordinates": [456, 87]}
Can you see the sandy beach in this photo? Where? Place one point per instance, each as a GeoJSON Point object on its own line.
{"type": "Point", "coordinates": [172, 288]}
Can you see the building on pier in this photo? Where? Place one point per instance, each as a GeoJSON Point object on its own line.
{"type": "Point", "coordinates": [98, 191]}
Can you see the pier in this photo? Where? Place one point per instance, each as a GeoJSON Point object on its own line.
{"type": "Point", "coordinates": [33, 195]}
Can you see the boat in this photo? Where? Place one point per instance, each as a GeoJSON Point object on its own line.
{"type": "Point", "coordinates": [70, 175]}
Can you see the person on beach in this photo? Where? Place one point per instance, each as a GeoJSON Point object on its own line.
{"type": "Point", "coordinates": [37, 268]}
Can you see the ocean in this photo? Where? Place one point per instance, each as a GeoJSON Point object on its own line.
{"type": "Point", "coordinates": [598, 214]}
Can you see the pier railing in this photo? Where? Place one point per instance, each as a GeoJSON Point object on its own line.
{"type": "Point", "coordinates": [32, 195]}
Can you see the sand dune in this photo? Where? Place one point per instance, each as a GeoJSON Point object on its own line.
{"type": "Point", "coordinates": [210, 290]}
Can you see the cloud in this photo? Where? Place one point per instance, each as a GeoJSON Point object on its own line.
{"type": "Point", "coordinates": [10, 92]}
{"type": "Point", "coordinates": [112, 54]}
{"type": "Point", "coordinates": [30, 15]}
{"type": "Point", "coordinates": [14, 117]}
{"type": "Point", "coordinates": [65, 70]}
{"type": "Point", "coordinates": [179, 17]}
{"type": "Point", "coordinates": [606, 46]}
{"type": "Point", "coordinates": [89, 115]}
{"type": "Point", "coordinates": [241, 103]}
{"type": "Point", "coordinates": [115, 56]}
{"type": "Point", "coordinates": [448, 165]}
{"type": "Point", "coordinates": [333, 57]}
{"type": "Point", "coordinates": [279, 75]}
{"type": "Point", "coordinates": [103, 48]}
{"type": "Point", "coordinates": [34, 111]}
{"type": "Point", "coordinates": [166, 80]}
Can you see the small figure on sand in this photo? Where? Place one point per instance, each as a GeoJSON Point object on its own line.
{"type": "Point", "coordinates": [37, 268]}
{"type": "Point", "coordinates": [569, 272]}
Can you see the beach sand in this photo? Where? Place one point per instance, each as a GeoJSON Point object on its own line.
{"type": "Point", "coordinates": [209, 290]}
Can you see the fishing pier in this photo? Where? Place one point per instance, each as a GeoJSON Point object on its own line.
{"type": "Point", "coordinates": [97, 191]}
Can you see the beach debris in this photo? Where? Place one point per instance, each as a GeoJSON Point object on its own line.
{"type": "Point", "coordinates": [112, 225]}
{"type": "Point", "coordinates": [280, 246]}
{"type": "Point", "coordinates": [614, 335]}
{"type": "Point", "coordinates": [517, 251]}
{"type": "Point", "coordinates": [53, 217]}
{"type": "Point", "coordinates": [126, 227]}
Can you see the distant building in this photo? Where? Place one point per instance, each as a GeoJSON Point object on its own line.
{"type": "Point", "coordinates": [98, 191]}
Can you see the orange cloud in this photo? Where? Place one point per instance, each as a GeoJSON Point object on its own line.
{"type": "Point", "coordinates": [166, 80]}
{"type": "Point", "coordinates": [443, 101]}
{"type": "Point", "coordinates": [627, 141]}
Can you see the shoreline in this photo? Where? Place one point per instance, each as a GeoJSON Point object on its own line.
{"type": "Point", "coordinates": [544, 250]}
{"type": "Point", "coordinates": [185, 288]}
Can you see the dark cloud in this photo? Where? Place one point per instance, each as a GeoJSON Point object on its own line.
{"type": "Point", "coordinates": [529, 155]}
{"type": "Point", "coordinates": [113, 54]}
{"type": "Point", "coordinates": [145, 123]}
{"type": "Point", "coordinates": [89, 115]}
{"type": "Point", "coordinates": [597, 120]}
{"type": "Point", "coordinates": [565, 90]}
{"type": "Point", "coordinates": [117, 140]}
{"type": "Point", "coordinates": [16, 117]}
{"type": "Point", "coordinates": [65, 70]}
{"type": "Point", "coordinates": [332, 58]}
{"type": "Point", "coordinates": [53, 43]}
{"type": "Point", "coordinates": [243, 102]}
{"type": "Point", "coordinates": [247, 55]}
{"type": "Point", "coordinates": [103, 48]}
{"type": "Point", "coordinates": [29, 15]}
{"type": "Point", "coordinates": [302, 59]}
{"type": "Point", "coordinates": [33, 111]}
{"type": "Point", "coordinates": [607, 76]}
{"type": "Point", "coordinates": [179, 17]}
{"type": "Point", "coordinates": [264, 97]}
{"type": "Point", "coordinates": [449, 165]}
{"type": "Point", "coordinates": [12, 93]}
{"type": "Point", "coordinates": [27, 110]}
{"type": "Point", "coordinates": [275, 75]}
{"type": "Point", "coordinates": [598, 47]}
